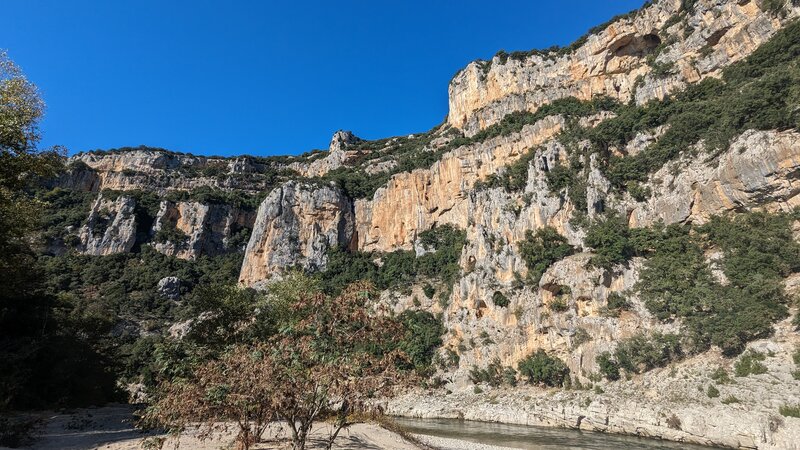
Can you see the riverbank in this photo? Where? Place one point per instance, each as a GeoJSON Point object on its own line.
{"type": "Point", "coordinates": [112, 428]}
{"type": "Point", "coordinates": [670, 403]}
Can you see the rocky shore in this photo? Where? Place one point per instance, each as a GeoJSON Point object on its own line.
{"type": "Point", "coordinates": [670, 403]}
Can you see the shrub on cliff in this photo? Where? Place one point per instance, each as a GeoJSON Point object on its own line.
{"type": "Point", "coordinates": [541, 249]}
{"type": "Point", "coordinates": [609, 237]}
{"type": "Point", "coordinates": [541, 368]}
{"type": "Point", "coordinates": [422, 336]}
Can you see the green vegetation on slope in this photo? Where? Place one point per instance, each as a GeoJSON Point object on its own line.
{"type": "Point", "coordinates": [677, 283]}
{"type": "Point", "coordinates": [401, 267]}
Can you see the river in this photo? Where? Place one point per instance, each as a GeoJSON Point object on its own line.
{"type": "Point", "coordinates": [533, 437]}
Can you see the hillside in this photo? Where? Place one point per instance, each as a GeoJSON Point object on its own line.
{"type": "Point", "coordinates": [621, 211]}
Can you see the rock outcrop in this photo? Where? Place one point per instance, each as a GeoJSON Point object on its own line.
{"type": "Point", "coordinates": [667, 403]}
{"type": "Point", "coordinates": [110, 227]}
{"type": "Point", "coordinates": [200, 229]}
{"type": "Point", "coordinates": [759, 171]}
{"type": "Point", "coordinates": [413, 202]}
{"type": "Point", "coordinates": [296, 225]}
{"type": "Point", "coordinates": [338, 155]}
{"type": "Point", "coordinates": [614, 61]}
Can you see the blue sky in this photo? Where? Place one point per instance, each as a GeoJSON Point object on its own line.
{"type": "Point", "coordinates": [264, 77]}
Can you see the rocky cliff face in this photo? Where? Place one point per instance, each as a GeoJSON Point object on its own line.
{"type": "Point", "coordinates": [295, 227]}
{"type": "Point", "coordinates": [203, 229]}
{"type": "Point", "coordinates": [623, 61]}
{"type": "Point", "coordinates": [641, 57]}
{"type": "Point", "coordinates": [110, 227]}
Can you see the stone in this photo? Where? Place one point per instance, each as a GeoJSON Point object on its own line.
{"type": "Point", "coordinates": [169, 288]}
{"type": "Point", "coordinates": [296, 225]}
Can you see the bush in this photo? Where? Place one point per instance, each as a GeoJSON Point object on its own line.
{"type": "Point", "coordinates": [172, 234]}
{"type": "Point", "coordinates": [676, 282]}
{"type": "Point", "coordinates": [609, 367]}
{"type": "Point", "coordinates": [643, 352]}
{"type": "Point", "coordinates": [541, 368]}
{"type": "Point", "coordinates": [750, 364]}
{"type": "Point", "coordinates": [790, 410]}
{"type": "Point", "coordinates": [712, 391]}
{"type": "Point", "coordinates": [617, 302]}
{"type": "Point", "coordinates": [541, 249]}
{"type": "Point", "coordinates": [558, 304]}
{"type": "Point", "coordinates": [720, 376]}
{"type": "Point", "coordinates": [493, 374]}
{"type": "Point", "coordinates": [729, 399]}
{"type": "Point", "coordinates": [610, 239]}
{"type": "Point", "coordinates": [399, 268]}
{"type": "Point", "coordinates": [499, 299]}
{"type": "Point", "coordinates": [423, 335]}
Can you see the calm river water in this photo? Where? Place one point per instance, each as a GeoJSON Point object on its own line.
{"type": "Point", "coordinates": [533, 438]}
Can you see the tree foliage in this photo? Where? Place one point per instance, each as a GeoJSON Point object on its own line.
{"type": "Point", "coordinates": [541, 368]}
{"type": "Point", "coordinates": [541, 249]}
{"type": "Point", "coordinates": [326, 362]}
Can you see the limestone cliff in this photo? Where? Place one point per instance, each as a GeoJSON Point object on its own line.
{"type": "Point", "coordinates": [623, 60]}
{"type": "Point", "coordinates": [202, 229]}
{"type": "Point", "coordinates": [295, 226]}
{"type": "Point", "coordinates": [110, 227]}
{"type": "Point", "coordinates": [499, 177]}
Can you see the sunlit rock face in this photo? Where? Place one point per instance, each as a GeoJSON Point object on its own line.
{"type": "Point", "coordinates": [614, 61]}
{"type": "Point", "coordinates": [296, 225]}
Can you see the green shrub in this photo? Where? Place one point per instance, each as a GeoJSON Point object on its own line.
{"type": "Point", "coordinates": [610, 239]}
{"type": "Point", "coordinates": [499, 299]}
{"type": "Point", "coordinates": [541, 249]}
{"type": "Point", "coordinates": [720, 376]}
{"type": "Point", "coordinates": [750, 364]}
{"type": "Point", "coordinates": [558, 304]}
{"type": "Point", "coordinates": [423, 335]}
{"type": "Point", "coordinates": [515, 176]}
{"type": "Point", "coordinates": [171, 233]}
{"type": "Point", "coordinates": [609, 367]}
{"type": "Point", "coordinates": [676, 282]}
{"type": "Point", "coordinates": [429, 290]}
{"type": "Point", "coordinates": [401, 267]}
{"type": "Point", "coordinates": [643, 352]}
{"type": "Point", "coordinates": [729, 399]}
{"type": "Point", "coordinates": [617, 302]}
{"type": "Point", "coordinates": [541, 368]}
{"type": "Point", "coordinates": [493, 374]}
{"type": "Point", "coordinates": [774, 7]}
{"type": "Point", "coordinates": [712, 391]}
{"type": "Point", "coordinates": [790, 410]}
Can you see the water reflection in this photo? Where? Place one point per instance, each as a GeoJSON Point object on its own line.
{"type": "Point", "coordinates": [533, 438]}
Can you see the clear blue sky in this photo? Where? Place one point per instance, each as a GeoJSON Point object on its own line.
{"type": "Point", "coordinates": [264, 77]}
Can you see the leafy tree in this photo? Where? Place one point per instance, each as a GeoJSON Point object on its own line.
{"type": "Point", "coordinates": [541, 249]}
{"type": "Point", "coordinates": [609, 367]}
{"type": "Point", "coordinates": [610, 238]}
{"type": "Point", "coordinates": [48, 359]}
{"type": "Point", "coordinates": [327, 363]}
{"type": "Point", "coordinates": [541, 368]}
{"type": "Point", "coordinates": [423, 335]}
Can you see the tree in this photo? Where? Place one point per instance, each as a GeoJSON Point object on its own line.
{"type": "Point", "coordinates": [34, 323]}
{"type": "Point", "coordinates": [609, 237]}
{"type": "Point", "coordinates": [542, 249]}
{"type": "Point", "coordinates": [328, 359]}
{"type": "Point", "coordinates": [236, 387]}
{"type": "Point", "coordinates": [541, 368]}
{"type": "Point", "coordinates": [21, 163]}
